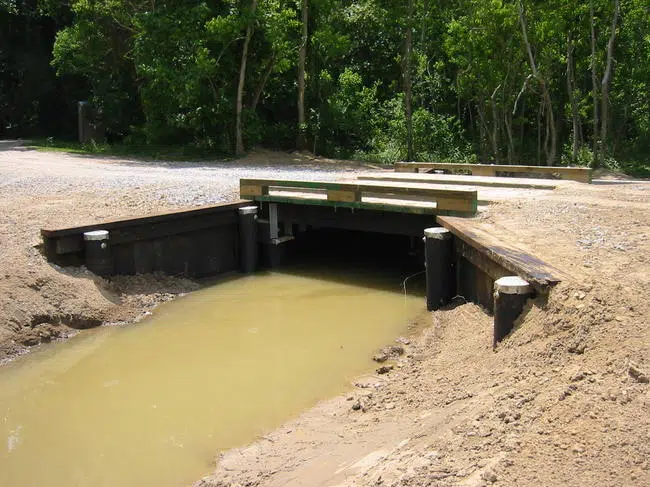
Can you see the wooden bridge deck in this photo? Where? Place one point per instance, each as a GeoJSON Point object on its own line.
{"type": "Point", "coordinates": [373, 195]}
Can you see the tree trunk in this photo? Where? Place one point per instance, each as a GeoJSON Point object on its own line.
{"type": "Point", "coordinates": [494, 137]}
{"type": "Point", "coordinates": [550, 158]}
{"type": "Point", "coordinates": [574, 105]}
{"type": "Point", "coordinates": [594, 88]}
{"type": "Point", "coordinates": [606, 82]}
{"type": "Point", "coordinates": [260, 87]}
{"type": "Point", "coordinates": [301, 141]}
{"type": "Point", "coordinates": [507, 119]}
{"type": "Point", "coordinates": [408, 88]}
{"type": "Point", "coordinates": [239, 142]}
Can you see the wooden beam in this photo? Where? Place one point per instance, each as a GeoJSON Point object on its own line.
{"type": "Point", "coordinates": [513, 259]}
{"type": "Point", "coordinates": [144, 219]}
{"type": "Point", "coordinates": [461, 180]}
{"type": "Point", "coordinates": [580, 174]}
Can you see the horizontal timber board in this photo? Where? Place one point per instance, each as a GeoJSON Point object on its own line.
{"type": "Point", "coordinates": [520, 263]}
{"type": "Point", "coordinates": [461, 180]}
{"type": "Point", "coordinates": [145, 219]}
{"type": "Point", "coordinates": [356, 186]}
{"type": "Point", "coordinates": [367, 220]}
{"type": "Point", "coordinates": [581, 174]}
{"type": "Point", "coordinates": [402, 208]}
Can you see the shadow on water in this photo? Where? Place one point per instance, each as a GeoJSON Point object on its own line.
{"type": "Point", "coordinates": [373, 260]}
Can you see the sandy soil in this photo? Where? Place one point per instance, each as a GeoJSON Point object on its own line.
{"type": "Point", "coordinates": [564, 400]}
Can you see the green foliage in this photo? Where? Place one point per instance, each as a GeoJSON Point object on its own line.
{"type": "Point", "coordinates": [167, 72]}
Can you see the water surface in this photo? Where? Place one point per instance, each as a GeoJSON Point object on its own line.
{"type": "Point", "coordinates": [151, 404]}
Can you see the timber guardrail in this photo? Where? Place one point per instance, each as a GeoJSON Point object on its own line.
{"type": "Point", "coordinates": [353, 193]}
{"type": "Point", "coordinates": [580, 174]}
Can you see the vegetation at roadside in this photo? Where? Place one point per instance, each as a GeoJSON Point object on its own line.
{"type": "Point", "coordinates": [505, 81]}
{"type": "Point", "coordinates": [142, 151]}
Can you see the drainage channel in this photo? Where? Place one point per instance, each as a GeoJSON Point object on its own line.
{"type": "Point", "coordinates": [151, 404]}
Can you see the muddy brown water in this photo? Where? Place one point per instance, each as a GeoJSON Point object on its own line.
{"type": "Point", "coordinates": [153, 403]}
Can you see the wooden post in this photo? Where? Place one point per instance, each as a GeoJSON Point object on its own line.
{"type": "Point", "coordinates": [440, 277]}
{"type": "Point", "coordinates": [510, 295]}
{"type": "Point", "coordinates": [248, 238]}
{"type": "Point", "coordinates": [98, 253]}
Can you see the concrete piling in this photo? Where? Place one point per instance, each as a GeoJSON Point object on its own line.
{"type": "Point", "coordinates": [248, 238]}
{"type": "Point", "coordinates": [98, 252]}
{"type": "Point", "coordinates": [510, 295]}
{"type": "Point", "coordinates": [440, 278]}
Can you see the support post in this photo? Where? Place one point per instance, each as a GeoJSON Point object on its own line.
{"type": "Point", "coordinates": [98, 252]}
{"type": "Point", "coordinates": [438, 254]}
{"type": "Point", "coordinates": [248, 238]}
{"type": "Point", "coordinates": [274, 227]}
{"type": "Point", "coordinates": [510, 295]}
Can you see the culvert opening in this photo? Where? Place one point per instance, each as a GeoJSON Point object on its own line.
{"type": "Point", "coordinates": [377, 260]}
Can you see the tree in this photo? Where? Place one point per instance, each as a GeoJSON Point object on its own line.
{"type": "Point", "coordinates": [302, 140]}
{"type": "Point", "coordinates": [239, 144]}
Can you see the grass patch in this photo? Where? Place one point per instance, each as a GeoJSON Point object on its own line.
{"type": "Point", "coordinates": [636, 168]}
{"type": "Point", "coordinates": [145, 152]}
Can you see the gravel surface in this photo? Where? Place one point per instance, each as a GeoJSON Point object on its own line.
{"type": "Point", "coordinates": [30, 171]}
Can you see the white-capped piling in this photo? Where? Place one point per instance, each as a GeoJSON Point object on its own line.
{"type": "Point", "coordinates": [510, 295]}
{"type": "Point", "coordinates": [97, 252]}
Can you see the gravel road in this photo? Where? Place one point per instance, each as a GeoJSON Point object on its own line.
{"type": "Point", "coordinates": [34, 172]}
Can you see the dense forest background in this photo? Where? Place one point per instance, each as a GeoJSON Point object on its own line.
{"type": "Point", "coordinates": [522, 81]}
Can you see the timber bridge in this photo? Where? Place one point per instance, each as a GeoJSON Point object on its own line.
{"type": "Point", "coordinates": [428, 215]}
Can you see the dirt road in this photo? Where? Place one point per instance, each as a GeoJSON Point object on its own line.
{"type": "Point", "coordinates": [564, 400]}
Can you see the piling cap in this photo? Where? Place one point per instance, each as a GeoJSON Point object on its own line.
{"type": "Point", "coordinates": [439, 233]}
{"type": "Point", "coordinates": [512, 285]}
{"type": "Point", "coordinates": [96, 235]}
{"type": "Point", "coordinates": [247, 210]}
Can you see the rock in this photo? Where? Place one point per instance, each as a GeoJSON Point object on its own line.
{"type": "Point", "coordinates": [384, 369]}
{"type": "Point", "coordinates": [403, 341]}
{"type": "Point", "coordinates": [489, 476]}
{"type": "Point", "coordinates": [359, 405]}
{"type": "Point", "coordinates": [30, 339]}
{"type": "Point", "coordinates": [388, 352]}
{"type": "Point", "coordinates": [578, 377]}
{"type": "Point", "coordinates": [636, 373]}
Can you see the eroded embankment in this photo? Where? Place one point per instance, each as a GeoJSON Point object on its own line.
{"type": "Point", "coordinates": [454, 412]}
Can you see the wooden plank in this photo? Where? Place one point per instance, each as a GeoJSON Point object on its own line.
{"type": "Point", "coordinates": [402, 207]}
{"type": "Point", "coordinates": [483, 171]}
{"type": "Point", "coordinates": [252, 190]}
{"type": "Point", "coordinates": [495, 182]}
{"type": "Point", "coordinates": [144, 219]}
{"type": "Point", "coordinates": [343, 196]}
{"type": "Point", "coordinates": [452, 204]}
{"type": "Point", "coordinates": [580, 174]}
{"type": "Point", "coordinates": [372, 186]}
{"type": "Point", "coordinates": [473, 233]}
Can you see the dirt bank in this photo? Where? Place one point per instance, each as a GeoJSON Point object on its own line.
{"type": "Point", "coordinates": [564, 401]}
